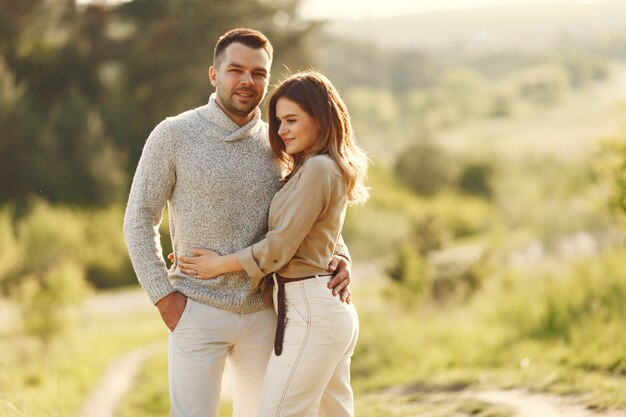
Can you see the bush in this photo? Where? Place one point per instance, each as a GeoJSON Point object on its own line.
{"type": "Point", "coordinates": [464, 216]}
{"type": "Point", "coordinates": [585, 68]}
{"type": "Point", "coordinates": [425, 168]}
{"type": "Point", "coordinates": [545, 84]}
{"type": "Point", "coordinates": [475, 179]}
{"type": "Point", "coordinates": [410, 276]}
{"type": "Point", "coordinates": [105, 256]}
{"type": "Point", "coordinates": [583, 308]}
{"type": "Point", "coordinates": [49, 234]}
{"type": "Point", "coordinates": [9, 252]}
{"type": "Point", "coordinates": [458, 273]}
{"type": "Point", "coordinates": [46, 300]}
{"type": "Point", "coordinates": [611, 165]}
{"type": "Point", "coordinates": [427, 234]}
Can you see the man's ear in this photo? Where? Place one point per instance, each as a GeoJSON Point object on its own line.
{"type": "Point", "coordinates": [213, 75]}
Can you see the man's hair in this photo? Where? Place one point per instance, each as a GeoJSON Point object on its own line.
{"type": "Point", "coordinates": [248, 37]}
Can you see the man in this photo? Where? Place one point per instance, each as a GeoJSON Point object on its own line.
{"type": "Point", "coordinates": [213, 167]}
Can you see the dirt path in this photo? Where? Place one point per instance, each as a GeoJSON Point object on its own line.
{"type": "Point", "coordinates": [121, 374]}
{"type": "Point", "coordinates": [120, 378]}
{"type": "Point", "coordinates": [116, 382]}
{"type": "Point", "coordinates": [538, 405]}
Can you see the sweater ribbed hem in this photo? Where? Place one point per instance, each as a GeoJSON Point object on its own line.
{"type": "Point", "coordinates": [235, 302]}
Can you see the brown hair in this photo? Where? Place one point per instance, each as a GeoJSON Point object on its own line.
{"type": "Point", "coordinates": [317, 96]}
{"type": "Point", "coordinates": [248, 37]}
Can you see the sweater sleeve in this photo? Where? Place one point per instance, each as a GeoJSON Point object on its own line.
{"type": "Point", "coordinates": [152, 186]}
{"type": "Point", "coordinates": [307, 201]}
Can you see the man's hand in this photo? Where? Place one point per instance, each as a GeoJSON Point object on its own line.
{"type": "Point", "coordinates": [339, 284]}
{"type": "Point", "coordinates": [171, 308]}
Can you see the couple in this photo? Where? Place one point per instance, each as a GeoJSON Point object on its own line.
{"type": "Point", "coordinates": [272, 210]}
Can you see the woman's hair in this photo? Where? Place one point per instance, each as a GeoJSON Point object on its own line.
{"type": "Point", "coordinates": [317, 96]}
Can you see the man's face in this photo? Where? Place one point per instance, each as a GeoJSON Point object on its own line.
{"type": "Point", "coordinates": [240, 80]}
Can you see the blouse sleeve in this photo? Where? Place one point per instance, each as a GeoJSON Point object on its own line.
{"type": "Point", "coordinates": [315, 183]}
{"type": "Point", "coordinates": [342, 249]}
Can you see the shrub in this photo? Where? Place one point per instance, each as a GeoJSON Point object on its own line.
{"type": "Point", "coordinates": [410, 275]}
{"type": "Point", "coordinates": [425, 167]}
{"type": "Point", "coordinates": [611, 165]}
{"type": "Point", "coordinates": [475, 179]}
{"type": "Point", "coordinates": [48, 234]}
{"type": "Point", "coordinates": [104, 255]}
{"type": "Point", "coordinates": [457, 273]}
{"type": "Point", "coordinates": [463, 215]}
{"type": "Point", "coordinates": [545, 84]}
{"type": "Point", "coordinates": [590, 292]}
{"type": "Point", "coordinates": [9, 252]}
{"type": "Point", "coordinates": [46, 300]}
{"type": "Point", "coordinates": [427, 234]}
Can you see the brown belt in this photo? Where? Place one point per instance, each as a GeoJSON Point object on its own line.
{"type": "Point", "coordinates": [282, 310]}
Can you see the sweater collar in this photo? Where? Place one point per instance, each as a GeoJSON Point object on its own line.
{"type": "Point", "coordinates": [214, 114]}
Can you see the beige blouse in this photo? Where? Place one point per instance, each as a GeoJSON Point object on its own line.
{"type": "Point", "coordinates": [305, 221]}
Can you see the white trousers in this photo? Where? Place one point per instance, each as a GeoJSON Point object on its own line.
{"type": "Point", "coordinates": [204, 337]}
{"type": "Point", "coordinates": [312, 375]}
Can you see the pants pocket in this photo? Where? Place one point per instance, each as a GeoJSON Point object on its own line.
{"type": "Point", "coordinates": [183, 317]}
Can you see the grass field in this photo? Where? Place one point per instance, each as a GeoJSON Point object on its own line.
{"type": "Point", "coordinates": [55, 380]}
{"type": "Point", "coordinates": [559, 334]}
{"type": "Point", "coordinates": [555, 326]}
{"type": "Point", "coordinates": [569, 130]}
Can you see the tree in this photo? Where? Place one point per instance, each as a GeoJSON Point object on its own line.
{"type": "Point", "coordinates": [55, 140]}
{"type": "Point", "coordinates": [424, 167]}
{"type": "Point", "coordinates": [83, 85]}
{"type": "Point", "coordinates": [164, 51]}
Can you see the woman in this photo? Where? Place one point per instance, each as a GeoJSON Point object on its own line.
{"type": "Point", "coordinates": [310, 132]}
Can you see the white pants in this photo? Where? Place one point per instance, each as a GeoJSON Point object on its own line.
{"type": "Point", "coordinates": [204, 337]}
{"type": "Point", "coordinates": [313, 372]}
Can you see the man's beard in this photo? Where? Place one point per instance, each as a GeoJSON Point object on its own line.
{"type": "Point", "coordinates": [228, 101]}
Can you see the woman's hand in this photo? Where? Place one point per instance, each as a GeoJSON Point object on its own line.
{"type": "Point", "coordinates": [205, 264]}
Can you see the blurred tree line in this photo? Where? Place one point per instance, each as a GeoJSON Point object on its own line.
{"type": "Point", "coordinates": [81, 86]}
{"type": "Point", "coordinates": [406, 94]}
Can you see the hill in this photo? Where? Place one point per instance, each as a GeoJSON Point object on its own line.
{"type": "Point", "coordinates": [532, 27]}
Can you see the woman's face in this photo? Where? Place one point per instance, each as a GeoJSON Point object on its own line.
{"type": "Point", "coordinates": [299, 131]}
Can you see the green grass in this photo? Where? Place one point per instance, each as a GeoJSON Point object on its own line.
{"type": "Point", "coordinates": [150, 396]}
{"type": "Point", "coordinates": [559, 332]}
{"type": "Point", "coordinates": [55, 381]}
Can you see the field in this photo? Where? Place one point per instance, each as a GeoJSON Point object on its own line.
{"type": "Point", "coordinates": [489, 265]}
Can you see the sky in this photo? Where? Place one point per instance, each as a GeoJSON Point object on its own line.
{"type": "Point", "coordinates": [365, 9]}
{"type": "Point", "coordinates": [361, 9]}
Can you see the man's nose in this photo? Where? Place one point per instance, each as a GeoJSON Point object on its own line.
{"type": "Point", "coordinates": [246, 78]}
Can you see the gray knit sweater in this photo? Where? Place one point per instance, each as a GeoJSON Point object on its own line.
{"type": "Point", "coordinates": [218, 180]}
